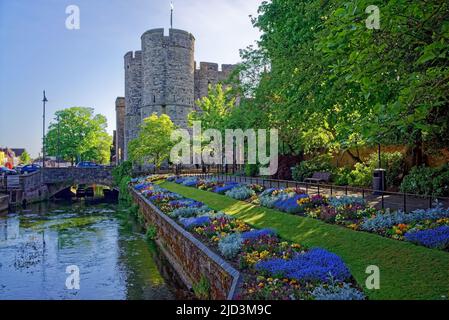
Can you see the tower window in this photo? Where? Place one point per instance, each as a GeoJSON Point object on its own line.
{"type": "Point", "coordinates": [164, 109]}
{"type": "Point", "coordinates": [154, 99]}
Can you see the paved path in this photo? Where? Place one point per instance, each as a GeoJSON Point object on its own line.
{"type": "Point", "coordinates": [392, 201]}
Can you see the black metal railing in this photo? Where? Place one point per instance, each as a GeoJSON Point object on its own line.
{"type": "Point", "coordinates": [380, 199]}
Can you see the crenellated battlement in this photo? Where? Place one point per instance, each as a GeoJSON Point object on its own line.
{"type": "Point", "coordinates": [132, 56]}
{"type": "Point", "coordinates": [163, 77]}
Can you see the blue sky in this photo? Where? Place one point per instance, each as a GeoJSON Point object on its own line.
{"type": "Point", "coordinates": [85, 67]}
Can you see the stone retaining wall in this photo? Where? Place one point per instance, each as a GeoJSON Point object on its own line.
{"type": "Point", "coordinates": [189, 254]}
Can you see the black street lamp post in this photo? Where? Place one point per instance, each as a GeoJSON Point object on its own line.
{"type": "Point", "coordinates": [59, 141]}
{"type": "Point", "coordinates": [44, 101]}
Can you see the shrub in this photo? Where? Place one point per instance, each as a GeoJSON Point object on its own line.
{"type": "Point", "coordinates": [124, 195]}
{"type": "Point", "coordinates": [251, 170]}
{"type": "Point", "coordinates": [121, 171]}
{"type": "Point", "coordinates": [306, 168]}
{"type": "Point", "coordinates": [314, 265]}
{"type": "Point", "coordinates": [342, 176]}
{"type": "Point", "coordinates": [427, 181]}
{"type": "Point", "coordinates": [432, 238]}
{"type": "Point", "coordinates": [230, 245]}
{"type": "Point", "coordinates": [362, 174]}
{"type": "Point", "coordinates": [151, 233]}
{"type": "Point", "coordinates": [202, 288]}
{"type": "Point", "coordinates": [241, 193]}
{"type": "Point", "coordinates": [337, 292]}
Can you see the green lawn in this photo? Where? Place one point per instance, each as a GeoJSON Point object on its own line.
{"type": "Point", "coordinates": [407, 271]}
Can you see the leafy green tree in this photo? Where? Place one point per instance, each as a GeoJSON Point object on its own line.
{"type": "Point", "coordinates": [153, 144]}
{"type": "Point", "coordinates": [214, 109]}
{"type": "Point", "coordinates": [25, 158]}
{"type": "Point", "coordinates": [79, 134]}
{"type": "Point", "coordinates": [332, 83]}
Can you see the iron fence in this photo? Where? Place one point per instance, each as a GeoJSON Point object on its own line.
{"type": "Point", "coordinates": [379, 199]}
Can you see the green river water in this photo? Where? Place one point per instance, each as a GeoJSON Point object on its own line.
{"type": "Point", "coordinates": [103, 241]}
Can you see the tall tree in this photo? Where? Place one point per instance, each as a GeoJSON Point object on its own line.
{"type": "Point", "coordinates": [153, 143]}
{"type": "Point", "coordinates": [79, 135]}
{"type": "Point", "coordinates": [334, 83]}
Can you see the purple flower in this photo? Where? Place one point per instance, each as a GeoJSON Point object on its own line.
{"type": "Point", "coordinates": [254, 234]}
{"type": "Point", "coordinates": [432, 238]}
{"type": "Point", "coordinates": [314, 265]}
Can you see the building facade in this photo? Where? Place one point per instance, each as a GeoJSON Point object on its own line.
{"type": "Point", "coordinates": [162, 78]}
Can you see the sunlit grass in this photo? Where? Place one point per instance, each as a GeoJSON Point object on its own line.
{"type": "Point", "coordinates": [407, 271]}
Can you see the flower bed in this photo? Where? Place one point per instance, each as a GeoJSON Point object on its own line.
{"type": "Point", "coordinates": [252, 250]}
{"type": "Point", "coordinates": [349, 211]}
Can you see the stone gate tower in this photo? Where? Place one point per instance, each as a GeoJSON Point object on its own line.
{"type": "Point", "coordinates": [162, 78]}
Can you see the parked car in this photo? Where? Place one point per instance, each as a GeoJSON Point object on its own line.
{"type": "Point", "coordinates": [87, 164]}
{"type": "Point", "coordinates": [29, 168]}
{"type": "Point", "coordinates": [6, 171]}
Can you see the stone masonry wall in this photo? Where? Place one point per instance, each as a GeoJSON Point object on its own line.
{"type": "Point", "coordinates": [195, 259]}
{"type": "Point", "coordinates": [133, 97]}
{"type": "Point", "coordinates": [120, 129]}
{"type": "Point", "coordinates": [208, 74]}
{"type": "Point", "coordinates": [163, 79]}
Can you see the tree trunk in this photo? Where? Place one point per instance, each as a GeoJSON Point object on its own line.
{"type": "Point", "coordinates": [353, 156]}
{"type": "Point", "coordinates": [417, 151]}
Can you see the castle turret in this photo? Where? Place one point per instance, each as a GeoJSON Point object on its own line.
{"type": "Point", "coordinates": [133, 97]}
{"type": "Point", "coordinates": [168, 74]}
{"type": "Point", "coordinates": [162, 78]}
{"type": "Point", "coordinates": [120, 129]}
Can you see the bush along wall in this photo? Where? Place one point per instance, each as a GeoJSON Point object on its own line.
{"type": "Point", "coordinates": [271, 267]}
{"type": "Point", "coordinates": [429, 228]}
{"type": "Point", "coordinates": [427, 181]}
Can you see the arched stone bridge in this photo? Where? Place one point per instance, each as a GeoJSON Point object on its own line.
{"type": "Point", "coordinates": [58, 179]}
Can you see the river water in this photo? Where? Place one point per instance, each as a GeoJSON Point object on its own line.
{"type": "Point", "coordinates": [102, 241]}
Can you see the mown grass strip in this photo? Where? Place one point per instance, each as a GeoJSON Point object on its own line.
{"type": "Point", "coordinates": [407, 271]}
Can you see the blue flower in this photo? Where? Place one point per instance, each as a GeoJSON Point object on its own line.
{"type": "Point", "coordinates": [189, 223]}
{"type": "Point", "coordinates": [186, 203]}
{"type": "Point", "coordinates": [289, 203]}
{"type": "Point", "coordinates": [314, 265]}
{"type": "Point", "coordinates": [140, 186]}
{"type": "Point", "coordinates": [432, 238]}
{"type": "Point", "coordinates": [253, 234]}
{"type": "Point", "coordinates": [222, 189]}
